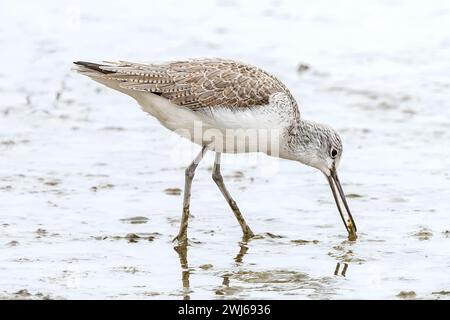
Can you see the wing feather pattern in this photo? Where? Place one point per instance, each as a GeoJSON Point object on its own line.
{"type": "Point", "coordinates": [197, 84]}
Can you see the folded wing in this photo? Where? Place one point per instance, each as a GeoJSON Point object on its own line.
{"type": "Point", "coordinates": [194, 84]}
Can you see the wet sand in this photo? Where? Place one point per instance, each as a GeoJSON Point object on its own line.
{"type": "Point", "coordinates": [91, 187]}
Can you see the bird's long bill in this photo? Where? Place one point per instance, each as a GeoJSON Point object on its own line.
{"type": "Point", "coordinates": [341, 203]}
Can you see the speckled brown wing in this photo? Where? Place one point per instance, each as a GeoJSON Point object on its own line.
{"type": "Point", "coordinates": [198, 84]}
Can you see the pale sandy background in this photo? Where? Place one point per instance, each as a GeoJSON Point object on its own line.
{"type": "Point", "coordinates": [76, 159]}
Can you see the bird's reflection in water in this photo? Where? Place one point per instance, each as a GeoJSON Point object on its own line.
{"type": "Point", "coordinates": [279, 279]}
{"type": "Point", "coordinates": [225, 288]}
{"type": "Point", "coordinates": [185, 271]}
{"type": "Point", "coordinates": [182, 251]}
{"type": "Point", "coordinates": [226, 280]}
{"type": "Point", "coordinates": [243, 248]}
{"type": "Point", "coordinates": [344, 269]}
{"type": "Point", "coordinates": [344, 255]}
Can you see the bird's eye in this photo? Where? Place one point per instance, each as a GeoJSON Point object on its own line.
{"type": "Point", "coordinates": [333, 153]}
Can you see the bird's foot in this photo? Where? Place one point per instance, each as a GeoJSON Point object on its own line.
{"type": "Point", "coordinates": [247, 233]}
{"type": "Point", "coordinates": [180, 240]}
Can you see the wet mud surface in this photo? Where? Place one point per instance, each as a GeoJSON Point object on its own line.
{"type": "Point", "coordinates": [91, 187]}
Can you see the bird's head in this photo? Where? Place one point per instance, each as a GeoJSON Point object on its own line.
{"type": "Point", "coordinates": [320, 146]}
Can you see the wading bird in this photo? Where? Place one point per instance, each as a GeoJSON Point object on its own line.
{"type": "Point", "coordinates": [229, 98]}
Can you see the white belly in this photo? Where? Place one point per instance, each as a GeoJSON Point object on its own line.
{"type": "Point", "coordinates": [222, 129]}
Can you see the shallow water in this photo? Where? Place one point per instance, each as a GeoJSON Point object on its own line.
{"type": "Point", "coordinates": [90, 187]}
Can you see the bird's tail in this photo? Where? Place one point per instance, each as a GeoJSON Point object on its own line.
{"type": "Point", "coordinates": [96, 72]}
{"type": "Point", "coordinates": [90, 67]}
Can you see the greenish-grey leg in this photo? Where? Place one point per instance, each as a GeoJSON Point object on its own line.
{"type": "Point", "coordinates": [218, 179]}
{"type": "Point", "coordinates": [189, 176]}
